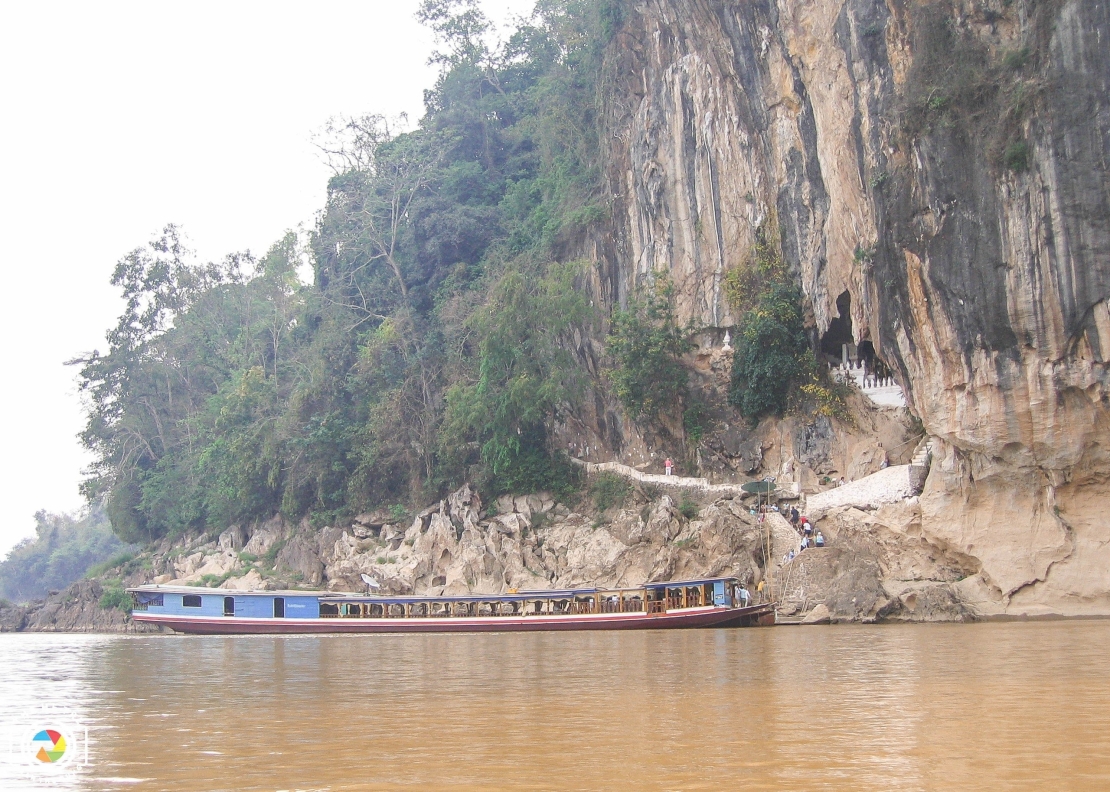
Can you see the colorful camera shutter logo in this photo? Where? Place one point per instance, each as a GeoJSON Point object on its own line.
{"type": "Point", "coordinates": [51, 746]}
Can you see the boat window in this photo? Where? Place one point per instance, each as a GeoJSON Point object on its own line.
{"type": "Point", "coordinates": [279, 607]}
{"type": "Point", "coordinates": [144, 601]}
{"type": "Point", "coordinates": [229, 606]}
{"type": "Point", "coordinates": [190, 601]}
{"type": "Point", "coordinates": [328, 609]}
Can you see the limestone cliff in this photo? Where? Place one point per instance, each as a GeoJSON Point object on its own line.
{"type": "Point", "coordinates": [943, 163]}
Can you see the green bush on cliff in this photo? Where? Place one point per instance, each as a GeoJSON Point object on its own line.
{"type": "Point", "coordinates": [646, 346]}
{"type": "Point", "coordinates": [772, 356]}
{"type": "Point", "coordinates": [770, 351]}
{"type": "Point", "coordinates": [609, 490]}
{"type": "Point", "coordinates": [689, 509]}
{"type": "Point", "coordinates": [114, 596]}
{"type": "Point", "coordinates": [112, 563]}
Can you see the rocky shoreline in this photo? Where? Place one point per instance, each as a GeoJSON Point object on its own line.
{"type": "Point", "coordinates": [877, 567]}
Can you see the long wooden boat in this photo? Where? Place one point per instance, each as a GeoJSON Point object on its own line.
{"type": "Point", "coordinates": [710, 602]}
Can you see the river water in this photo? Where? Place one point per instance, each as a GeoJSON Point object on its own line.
{"type": "Point", "coordinates": [998, 706]}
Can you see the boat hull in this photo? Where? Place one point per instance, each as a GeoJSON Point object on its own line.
{"type": "Point", "coordinates": [756, 615]}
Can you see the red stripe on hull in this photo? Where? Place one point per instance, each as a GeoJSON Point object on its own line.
{"type": "Point", "coordinates": [230, 625]}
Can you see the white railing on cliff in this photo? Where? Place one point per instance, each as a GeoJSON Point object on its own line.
{"type": "Point", "coordinates": [659, 480]}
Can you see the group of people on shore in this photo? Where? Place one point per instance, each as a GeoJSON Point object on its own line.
{"type": "Point", "coordinates": [811, 536]}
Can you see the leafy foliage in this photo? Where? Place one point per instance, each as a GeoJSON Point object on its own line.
{"type": "Point", "coordinates": [689, 508]}
{"type": "Point", "coordinates": [523, 375]}
{"type": "Point", "coordinates": [63, 549]}
{"type": "Point", "coordinates": [769, 353]}
{"type": "Point", "coordinates": [115, 562]}
{"type": "Point", "coordinates": [772, 353]}
{"type": "Point", "coordinates": [114, 596]}
{"type": "Point", "coordinates": [646, 346]}
{"type": "Point", "coordinates": [696, 420]}
{"type": "Point", "coordinates": [609, 490]}
{"type": "Point", "coordinates": [745, 285]}
{"type": "Point", "coordinates": [431, 345]}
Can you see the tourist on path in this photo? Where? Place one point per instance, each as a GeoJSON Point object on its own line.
{"type": "Point", "coordinates": [669, 465]}
{"type": "Point", "coordinates": [820, 539]}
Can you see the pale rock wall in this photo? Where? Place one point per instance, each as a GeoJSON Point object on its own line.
{"type": "Point", "coordinates": [890, 485]}
{"type": "Point", "coordinates": [535, 544]}
{"type": "Point", "coordinates": [988, 291]}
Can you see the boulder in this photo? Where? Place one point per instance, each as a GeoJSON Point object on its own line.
{"type": "Point", "coordinates": [265, 536]}
{"type": "Point", "coordinates": [234, 538]}
{"type": "Point", "coordinates": [819, 615]}
{"type": "Point", "coordinates": [866, 460]}
{"type": "Point", "coordinates": [374, 519]}
{"type": "Point", "coordinates": [252, 581]}
{"type": "Point", "coordinates": [299, 555]}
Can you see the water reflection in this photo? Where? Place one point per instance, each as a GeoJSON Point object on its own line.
{"type": "Point", "coordinates": [990, 706]}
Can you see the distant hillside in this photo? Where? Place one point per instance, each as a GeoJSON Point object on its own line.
{"type": "Point", "coordinates": [63, 549]}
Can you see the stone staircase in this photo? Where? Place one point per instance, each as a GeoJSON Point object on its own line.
{"type": "Point", "coordinates": [921, 462]}
{"type": "Point", "coordinates": [783, 536]}
{"type": "Point", "coordinates": [923, 454]}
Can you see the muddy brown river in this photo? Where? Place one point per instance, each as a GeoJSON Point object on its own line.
{"type": "Point", "coordinates": [997, 706]}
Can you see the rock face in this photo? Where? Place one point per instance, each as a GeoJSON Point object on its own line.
{"type": "Point", "coordinates": [453, 547]}
{"type": "Point", "coordinates": [75, 609]}
{"type": "Point", "coordinates": [880, 566]}
{"type": "Point", "coordinates": [890, 485]}
{"type": "Point", "coordinates": [945, 164]}
{"type": "Point", "coordinates": [532, 543]}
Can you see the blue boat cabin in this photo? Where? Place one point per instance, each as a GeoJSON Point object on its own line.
{"type": "Point", "coordinates": [216, 603]}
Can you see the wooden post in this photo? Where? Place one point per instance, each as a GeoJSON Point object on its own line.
{"type": "Point", "coordinates": [770, 568]}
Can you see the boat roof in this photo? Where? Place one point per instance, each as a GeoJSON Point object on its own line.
{"type": "Point", "coordinates": [337, 597]}
{"type": "Point", "coordinates": [159, 588]}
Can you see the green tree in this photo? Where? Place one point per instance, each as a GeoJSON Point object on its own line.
{"type": "Point", "coordinates": [524, 373]}
{"type": "Point", "coordinates": [646, 347]}
{"type": "Point", "coordinates": [770, 356]}
{"type": "Point", "coordinates": [434, 343]}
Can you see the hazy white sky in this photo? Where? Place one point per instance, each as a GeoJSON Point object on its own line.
{"type": "Point", "coordinates": [118, 118]}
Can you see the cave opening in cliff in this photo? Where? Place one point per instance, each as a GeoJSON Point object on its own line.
{"type": "Point", "coordinates": [840, 330]}
{"type": "Point", "coordinates": [866, 354]}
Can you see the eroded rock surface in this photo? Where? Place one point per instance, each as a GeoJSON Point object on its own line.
{"type": "Point", "coordinates": [976, 254]}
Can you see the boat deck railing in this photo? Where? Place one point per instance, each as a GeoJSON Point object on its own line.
{"type": "Point", "coordinates": [494, 608]}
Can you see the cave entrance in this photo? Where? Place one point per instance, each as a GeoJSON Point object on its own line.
{"type": "Point", "coordinates": [866, 354]}
{"type": "Point", "coordinates": [837, 342]}
{"type": "Point", "coordinates": [873, 365]}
